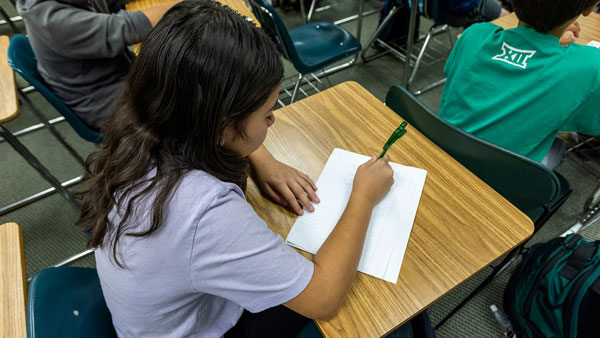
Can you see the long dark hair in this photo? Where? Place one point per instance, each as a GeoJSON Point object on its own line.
{"type": "Point", "coordinates": [202, 68]}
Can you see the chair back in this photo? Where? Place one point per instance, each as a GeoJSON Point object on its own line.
{"type": "Point", "coordinates": [274, 27]}
{"type": "Point", "coordinates": [525, 183]}
{"type": "Point", "coordinates": [67, 302]}
{"type": "Point", "coordinates": [22, 59]}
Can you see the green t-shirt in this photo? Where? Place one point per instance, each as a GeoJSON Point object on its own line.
{"type": "Point", "coordinates": [517, 88]}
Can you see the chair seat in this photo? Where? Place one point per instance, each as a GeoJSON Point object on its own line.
{"type": "Point", "coordinates": [320, 43]}
{"type": "Point", "coordinates": [68, 302]}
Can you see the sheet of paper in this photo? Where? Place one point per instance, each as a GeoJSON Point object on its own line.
{"type": "Point", "coordinates": [391, 221]}
{"type": "Point", "coordinates": [594, 43]}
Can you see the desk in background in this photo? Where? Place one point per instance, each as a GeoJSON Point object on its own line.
{"type": "Point", "coordinates": [237, 5]}
{"type": "Point", "coordinates": [13, 282]}
{"type": "Point", "coordinates": [590, 26]}
{"type": "Point", "coordinates": [9, 109]}
{"type": "Point", "coordinates": [461, 226]}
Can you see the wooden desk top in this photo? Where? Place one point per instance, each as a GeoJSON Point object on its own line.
{"type": "Point", "coordinates": [9, 109]}
{"type": "Point", "coordinates": [237, 5]}
{"type": "Point", "coordinates": [13, 283]}
{"type": "Point", "coordinates": [590, 26]}
{"type": "Point", "coordinates": [461, 226]}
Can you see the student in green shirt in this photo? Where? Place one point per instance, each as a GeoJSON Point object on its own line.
{"type": "Point", "coordinates": [518, 87]}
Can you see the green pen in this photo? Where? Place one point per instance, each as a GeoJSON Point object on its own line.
{"type": "Point", "coordinates": [398, 133]}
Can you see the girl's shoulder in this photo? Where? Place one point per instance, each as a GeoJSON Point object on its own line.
{"type": "Point", "coordinates": [202, 186]}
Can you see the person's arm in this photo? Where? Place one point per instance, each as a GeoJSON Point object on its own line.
{"type": "Point", "coordinates": [284, 184]}
{"type": "Point", "coordinates": [82, 34]}
{"type": "Point", "coordinates": [336, 261]}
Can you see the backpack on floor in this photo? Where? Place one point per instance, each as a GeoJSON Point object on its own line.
{"type": "Point", "coordinates": [555, 291]}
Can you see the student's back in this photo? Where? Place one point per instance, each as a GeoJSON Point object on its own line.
{"type": "Point", "coordinates": [212, 256]}
{"type": "Point", "coordinates": [82, 52]}
{"type": "Point", "coordinates": [517, 88]}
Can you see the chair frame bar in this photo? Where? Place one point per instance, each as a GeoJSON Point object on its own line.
{"type": "Point", "coordinates": [35, 127]}
{"type": "Point", "coordinates": [41, 169]}
{"type": "Point", "coordinates": [433, 31]}
{"type": "Point", "coordinates": [52, 129]}
{"type": "Point", "coordinates": [300, 77]}
{"type": "Point", "coordinates": [10, 21]}
{"type": "Point", "coordinates": [40, 195]}
{"type": "Point", "coordinates": [34, 162]}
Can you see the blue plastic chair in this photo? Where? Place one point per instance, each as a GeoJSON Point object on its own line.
{"type": "Point", "coordinates": [310, 47]}
{"type": "Point", "coordinates": [67, 302]}
{"type": "Point", "coordinates": [530, 186]}
{"type": "Point", "coordinates": [23, 61]}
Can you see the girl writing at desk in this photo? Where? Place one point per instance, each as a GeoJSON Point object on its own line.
{"type": "Point", "coordinates": [179, 250]}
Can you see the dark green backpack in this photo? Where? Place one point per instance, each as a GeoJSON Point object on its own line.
{"type": "Point", "coordinates": [555, 291]}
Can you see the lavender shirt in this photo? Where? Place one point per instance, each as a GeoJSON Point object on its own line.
{"type": "Point", "coordinates": [212, 257]}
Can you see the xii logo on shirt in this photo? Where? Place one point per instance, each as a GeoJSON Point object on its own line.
{"type": "Point", "coordinates": [514, 56]}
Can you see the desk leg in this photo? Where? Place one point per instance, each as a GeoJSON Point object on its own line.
{"type": "Point", "coordinates": [410, 40]}
{"type": "Point", "coordinates": [361, 7]}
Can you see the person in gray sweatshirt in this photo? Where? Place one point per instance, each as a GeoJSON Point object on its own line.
{"type": "Point", "coordinates": [82, 49]}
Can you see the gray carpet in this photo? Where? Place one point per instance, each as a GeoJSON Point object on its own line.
{"type": "Point", "coordinates": [48, 225]}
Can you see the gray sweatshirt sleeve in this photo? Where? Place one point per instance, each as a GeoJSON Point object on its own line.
{"type": "Point", "coordinates": [77, 33]}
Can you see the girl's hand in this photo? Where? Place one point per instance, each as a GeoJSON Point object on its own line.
{"type": "Point", "coordinates": [373, 179]}
{"type": "Point", "coordinates": [571, 34]}
{"type": "Point", "coordinates": [282, 183]}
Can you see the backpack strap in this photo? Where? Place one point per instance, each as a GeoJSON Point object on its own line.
{"type": "Point", "coordinates": [578, 260]}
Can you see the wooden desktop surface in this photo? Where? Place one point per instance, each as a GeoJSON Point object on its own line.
{"type": "Point", "coordinates": [9, 109]}
{"type": "Point", "coordinates": [13, 283]}
{"type": "Point", "coordinates": [461, 226]}
{"type": "Point", "coordinates": [590, 26]}
{"type": "Point", "coordinates": [237, 5]}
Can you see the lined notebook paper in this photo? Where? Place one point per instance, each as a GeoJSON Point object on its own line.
{"type": "Point", "coordinates": [391, 221]}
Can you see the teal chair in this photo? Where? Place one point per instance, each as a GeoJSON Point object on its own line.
{"type": "Point", "coordinates": [536, 190]}
{"type": "Point", "coordinates": [23, 61]}
{"type": "Point", "coordinates": [67, 302]}
{"type": "Point", "coordinates": [311, 47]}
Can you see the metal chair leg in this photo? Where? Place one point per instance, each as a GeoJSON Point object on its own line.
{"type": "Point", "coordinates": [295, 92]}
{"type": "Point", "coordinates": [375, 35]}
{"type": "Point", "coordinates": [450, 39]}
{"type": "Point", "coordinates": [52, 129]}
{"type": "Point", "coordinates": [35, 127]}
{"type": "Point", "coordinates": [75, 258]}
{"type": "Point", "coordinates": [496, 271]}
{"type": "Point", "coordinates": [33, 161]}
{"type": "Point", "coordinates": [430, 87]}
{"type": "Point", "coordinates": [36, 197]}
{"type": "Point", "coordinates": [419, 58]}
{"type": "Point", "coordinates": [9, 21]}
{"type": "Point", "coordinates": [311, 10]}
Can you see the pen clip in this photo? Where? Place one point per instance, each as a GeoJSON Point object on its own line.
{"type": "Point", "coordinates": [398, 133]}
